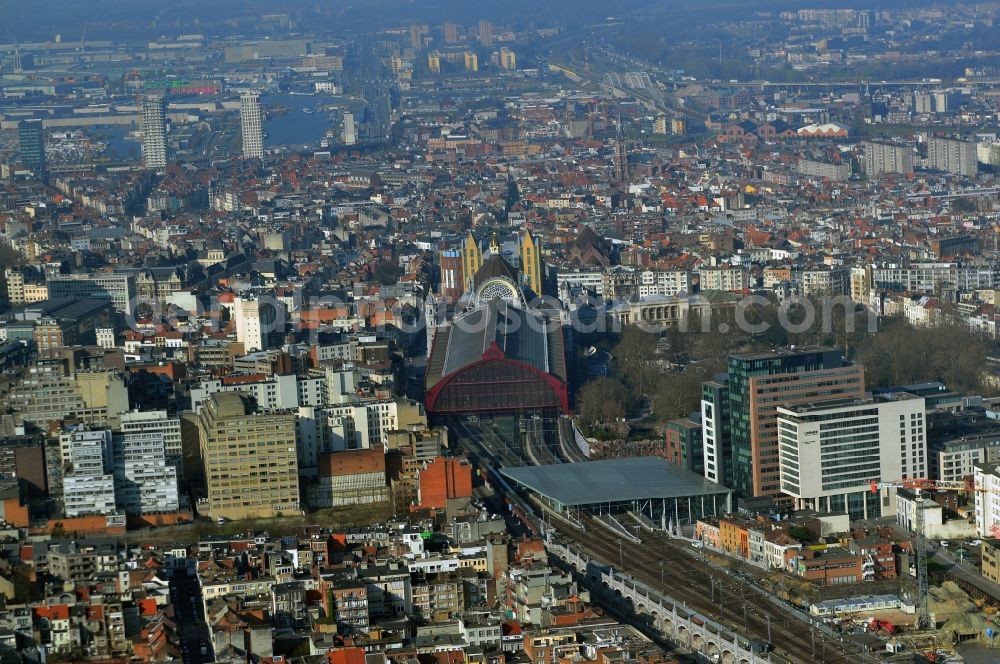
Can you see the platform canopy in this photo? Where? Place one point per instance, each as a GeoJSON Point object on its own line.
{"type": "Point", "coordinates": [613, 481]}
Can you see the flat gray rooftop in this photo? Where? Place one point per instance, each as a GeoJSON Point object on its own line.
{"type": "Point", "coordinates": [612, 481]}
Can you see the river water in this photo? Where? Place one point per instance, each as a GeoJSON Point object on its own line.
{"type": "Point", "coordinates": [295, 127]}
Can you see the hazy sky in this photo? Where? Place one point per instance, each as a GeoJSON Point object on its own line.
{"type": "Point", "coordinates": [36, 20]}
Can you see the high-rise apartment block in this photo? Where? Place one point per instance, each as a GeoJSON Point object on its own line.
{"type": "Point", "coordinates": [88, 480]}
{"type": "Point", "coordinates": [416, 36]}
{"type": "Point", "coordinates": [952, 156]}
{"type": "Point", "coordinates": [832, 450]}
{"type": "Point", "coordinates": [145, 482]}
{"type": "Point", "coordinates": [31, 144]}
{"type": "Point", "coordinates": [508, 60]}
{"type": "Point", "coordinates": [46, 395]}
{"type": "Point", "coordinates": [485, 33]}
{"type": "Point", "coordinates": [434, 62]}
{"type": "Point", "coordinates": [450, 33]}
{"type": "Point", "coordinates": [249, 458]}
{"type": "Point", "coordinates": [153, 116]}
{"type": "Point", "coordinates": [155, 422]}
{"type": "Point", "coordinates": [821, 169]}
{"type": "Point", "coordinates": [717, 453]}
{"type": "Point", "coordinates": [350, 131]}
{"type": "Point", "coordinates": [252, 125]}
{"type": "Point", "coordinates": [471, 61]}
{"type": "Point", "coordinates": [746, 423]}
{"type": "Point", "coordinates": [21, 291]}
{"type": "Point", "coordinates": [887, 158]}
{"type": "Point", "coordinates": [986, 478]}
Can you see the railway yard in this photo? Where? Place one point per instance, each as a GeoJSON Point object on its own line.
{"type": "Point", "coordinates": [733, 598]}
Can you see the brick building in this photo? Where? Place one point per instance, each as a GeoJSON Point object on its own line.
{"type": "Point", "coordinates": [444, 479]}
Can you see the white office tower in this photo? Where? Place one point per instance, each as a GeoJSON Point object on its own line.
{"type": "Point", "coordinates": [154, 131]}
{"type": "Point", "coordinates": [831, 451]}
{"type": "Point", "coordinates": [252, 123]}
{"type": "Point", "coordinates": [88, 483]}
{"type": "Point", "coordinates": [350, 132]}
{"type": "Point", "coordinates": [144, 481]}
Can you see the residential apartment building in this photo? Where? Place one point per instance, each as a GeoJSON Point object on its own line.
{"type": "Point", "coordinates": [824, 170]}
{"type": "Point", "coordinates": [20, 292]}
{"type": "Point", "coordinates": [881, 158]}
{"type": "Point", "coordinates": [276, 392]}
{"type": "Point", "coordinates": [831, 451]}
{"type": "Point", "coordinates": [158, 422]}
{"type": "Point", "coordinates": [824, 281]}
{"type": "Point", "coordinates": [471, 61]}
{"type": "Point", "coordinates": [153, 112]}
{"type": "Point", "coordinates": [388, 589]}
{"type": "Point", "coordinates": [145, 483]}
{"type": "Point", "coordinates": [986, 477]}
{"type": "Point", "coordinates": [952, 156]}
{"type": "Point", "coordinates": [88, 478]}
{"type": "Point", "coordinates": [723, 278]}
{"type": "Point", "coordinates": [47, 395]}
{"type": "Point", "coordinates": [252, 126]}
{"type": "Point", "coordinates": [623, 283]}
{"type": "Point", "coordinates": [683, 444]}
{"type": "Point", "coordinates": [508, 59]}
{"type": "Point", "coordinates": [570, 282]}
{"type": "Point", "coordinates": [990, 567]}
{"type": "Point", "coordinates": [346, 603]}
{"type": "Point", "coordinates": [249, 458]}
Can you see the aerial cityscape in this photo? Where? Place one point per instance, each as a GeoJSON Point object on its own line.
{"type": "Point", "coordinates": [440, 332]}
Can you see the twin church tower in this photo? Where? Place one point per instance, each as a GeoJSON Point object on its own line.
{"type": "Point", "coordinates": [473, 269]}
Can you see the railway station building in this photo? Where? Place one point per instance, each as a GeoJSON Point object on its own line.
{"type": "Point", "coordinates": [499, 355]}
{"type": "Point", "coordinates": [652, 487]}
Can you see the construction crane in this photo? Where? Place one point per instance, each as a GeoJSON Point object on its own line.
{"type": "Point", "coordinates": [919, 486]}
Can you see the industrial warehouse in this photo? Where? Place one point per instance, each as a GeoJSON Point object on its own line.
{"type": "Point", "coordinates": [650, 487]}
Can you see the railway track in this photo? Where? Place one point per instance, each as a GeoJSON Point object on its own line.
{"type": "Point", "coordinates": [567, 441]}
{"type": "Point", "coordinates": [671, 568]}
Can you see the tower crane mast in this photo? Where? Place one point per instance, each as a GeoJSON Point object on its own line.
{"type": "Point", "coordinates": [920, 486]}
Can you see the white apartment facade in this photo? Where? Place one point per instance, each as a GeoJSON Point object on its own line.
{"type": "Point", "coordinates": [252, 126]}
{"type": "Point", "coordinates": [88, 481]}
{"type": "Point", "coordinates": [273, 393]}
{"type": "Point", "coordinates": [987, 481]}
{"type": "Point", "coordinates": [145, 483]}
{"type": "Point", "coordinates": [156, 421]}
{"type": "Point", "coordinates": [724, 278]}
